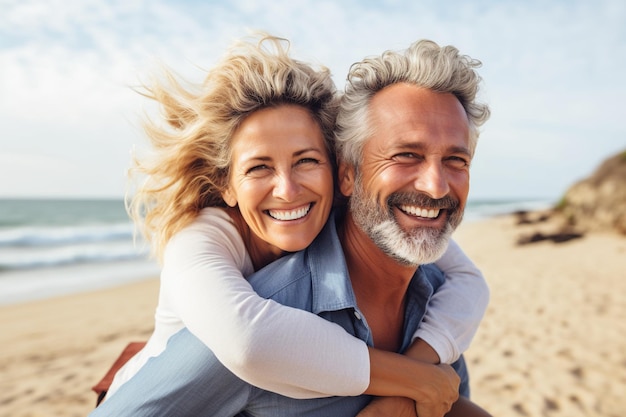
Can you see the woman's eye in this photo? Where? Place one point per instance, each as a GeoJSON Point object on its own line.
{"type": "Point", "coordinates": [257, 170]}
{"type": "Point", "coordinates": [308, 161]}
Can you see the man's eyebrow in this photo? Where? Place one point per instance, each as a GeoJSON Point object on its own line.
{"type": "Point", "coordinates": [421, 146]}
{"type": "Point", "coordinates": [460, 149]}
{"type": "Point", "coordinates": [408, 145]}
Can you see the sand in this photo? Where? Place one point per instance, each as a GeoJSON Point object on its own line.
{"type": "Point", "coordinates": [553, 341]}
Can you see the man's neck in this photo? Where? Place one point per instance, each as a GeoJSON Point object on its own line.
{"type": "Point", "coordinates": [380, 285]}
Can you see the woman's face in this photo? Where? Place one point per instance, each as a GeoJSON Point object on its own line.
{"type": "Point", "coordinates": [281, 178]}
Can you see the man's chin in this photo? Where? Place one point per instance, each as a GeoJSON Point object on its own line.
{"type": "Point", "coordinates": [421, 246]}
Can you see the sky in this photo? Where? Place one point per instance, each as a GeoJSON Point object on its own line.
{"type": "Point", "coordinates": [553, 71]}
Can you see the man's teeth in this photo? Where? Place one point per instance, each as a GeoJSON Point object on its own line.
{"type": "Point", "coordinates": [290, 214]}
{"type": "Point", "coordinates": [420, 212]}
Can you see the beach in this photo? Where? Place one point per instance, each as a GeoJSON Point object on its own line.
{"type": "Point", "coordinates": [552, 343]}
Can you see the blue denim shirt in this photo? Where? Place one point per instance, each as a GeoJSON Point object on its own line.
{"type": "Point", "coordinates": [188, 380]}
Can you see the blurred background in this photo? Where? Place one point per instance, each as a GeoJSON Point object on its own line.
{"type": "Point", "coordinates": [553, 75]}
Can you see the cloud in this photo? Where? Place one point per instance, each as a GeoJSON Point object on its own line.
{"type": "Point", "coordinates": [552, 74]}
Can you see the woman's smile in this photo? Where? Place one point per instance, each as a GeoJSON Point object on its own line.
{"type": "Point", "coordinates": [281, 177]}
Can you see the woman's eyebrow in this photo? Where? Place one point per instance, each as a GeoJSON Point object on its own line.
{"type": "Point", "coordinates": [313, 149]}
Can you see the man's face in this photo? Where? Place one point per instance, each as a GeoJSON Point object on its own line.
{"type": "Point", "coordinates": [410, 191]}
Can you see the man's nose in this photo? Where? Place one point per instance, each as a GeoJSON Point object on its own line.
{"type": "Point", "coordinates": [285, 186]}
{"type": "Point", "coordinates": [432, 180]}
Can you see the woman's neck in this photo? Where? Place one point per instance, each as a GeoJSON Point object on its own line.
{"type": "Point", "coordinates": [261, 253]}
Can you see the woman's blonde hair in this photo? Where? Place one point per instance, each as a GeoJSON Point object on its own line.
{"type": "Point", "coordinates": [191, 153]}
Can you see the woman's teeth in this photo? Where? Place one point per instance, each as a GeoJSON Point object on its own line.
{"type": "Point", "coordinates": [290, 214]}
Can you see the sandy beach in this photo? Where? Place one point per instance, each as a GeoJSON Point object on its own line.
{"type": "Point", "coordinates": [553, 342]}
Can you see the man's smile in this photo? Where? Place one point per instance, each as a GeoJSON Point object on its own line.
{"type": "Point", "coordinates": [428, 213]}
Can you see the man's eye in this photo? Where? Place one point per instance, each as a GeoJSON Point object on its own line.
{"type": "Point", "coordinates": [458, 162]}
{"type": "Point", "coordinates": [406, 156]}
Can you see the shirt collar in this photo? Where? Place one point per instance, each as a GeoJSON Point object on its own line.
{"type": "Point", "coordinates": [332, 289]}
{"type": "Point", "coordinates": [331, 286]}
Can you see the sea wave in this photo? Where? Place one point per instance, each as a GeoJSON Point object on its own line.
{"type": "Point", "coordinates": [49, 248]}
{"type": "Point", "coordinates": [483, 209]}
{"type": "Point", "coordinates": [50, 256]}
{"type": "Point", "coordinates": [33, 236]}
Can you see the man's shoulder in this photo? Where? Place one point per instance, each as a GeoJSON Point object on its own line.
{"type": "Point", "coordinates": [291, 277]}
{"type": "Point", "coordinates": [287, 281]}
{"type": "Point", "coordinates": [284, 278]}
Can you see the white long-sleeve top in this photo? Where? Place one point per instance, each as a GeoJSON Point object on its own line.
{"type": "Point", "coordinates": [203, 289]}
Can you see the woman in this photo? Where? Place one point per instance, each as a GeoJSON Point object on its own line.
{"type": "Point", "coordinates": [243, 174]}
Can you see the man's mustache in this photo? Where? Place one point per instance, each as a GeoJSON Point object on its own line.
{"type": "Point", "coordinates": [423, 200]}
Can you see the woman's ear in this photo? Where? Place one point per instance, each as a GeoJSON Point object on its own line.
{"type": "Point", "coordinates": [346, 179]}
{"type": "Point", "coordinates": [229, 197]}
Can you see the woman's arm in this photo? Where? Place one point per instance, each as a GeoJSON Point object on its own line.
{"type": "Point", "coordinates": [455, 310]}
{"type": "Point", "coordinates": [452, 318]}
{"type": "Point", "coordinates": [433, 388]}
{"type": "Point", "coordinates": [405, 407]}
{"type": "Point", "coordinates": [277, 348]}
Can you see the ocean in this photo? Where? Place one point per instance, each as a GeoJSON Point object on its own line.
{"type": "Point", "coordinates": [56, 247]}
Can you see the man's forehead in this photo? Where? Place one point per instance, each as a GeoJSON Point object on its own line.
{"type": "Point", "coordinates": [404, 96]}
{"type": "Point", "coordinates": [410, 116]}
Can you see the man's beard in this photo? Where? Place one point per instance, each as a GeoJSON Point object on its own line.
{"type": "Point", "coordinates": [413, 247]}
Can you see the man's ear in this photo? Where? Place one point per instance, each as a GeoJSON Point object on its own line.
{"type": "Point", "coordinates": [229, 197]}
{"type": "Point", "coordinates": [346, 178]}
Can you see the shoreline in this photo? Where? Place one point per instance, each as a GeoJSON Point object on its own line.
{"type": "Point", "coordinates": [23, 286]}
{"type": "Point", "coordinates": [49, 257]}
{"type": "Point", "coordinates": [552, 342]}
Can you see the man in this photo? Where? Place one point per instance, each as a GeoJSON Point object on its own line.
{"type": "Point", "coordinates": [407, 131]}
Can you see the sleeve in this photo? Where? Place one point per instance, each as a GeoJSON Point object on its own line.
{"type": "Point", "coordinates": [278, 348]}
{"type": "Point", "coordinates": [208, 388]}
{"type": "Point", "coordinates": [455, 310]}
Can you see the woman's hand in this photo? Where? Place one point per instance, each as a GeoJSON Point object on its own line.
{"type": "Point", "coordinates": [438, 393]}
{"type": "Point", "coordinates": [433, 387]}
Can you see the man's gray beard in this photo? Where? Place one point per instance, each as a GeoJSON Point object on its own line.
{"type": "Point", "coordinates": [413, 248]}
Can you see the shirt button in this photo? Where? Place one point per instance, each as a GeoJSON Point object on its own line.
{"type": "Point", "coordinates": [357, 315]}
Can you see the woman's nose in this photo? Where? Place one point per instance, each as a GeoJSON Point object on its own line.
{"type": "Point", "coordinates": [286, 187]}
